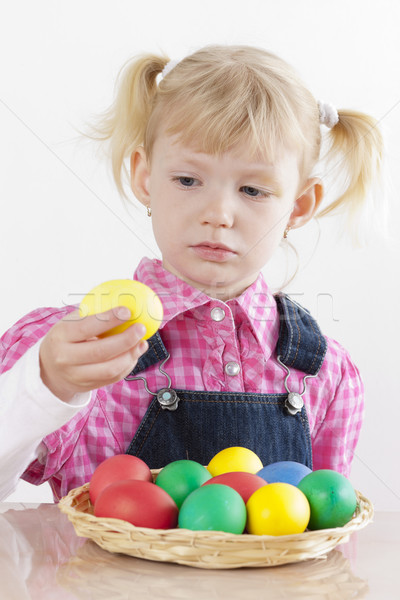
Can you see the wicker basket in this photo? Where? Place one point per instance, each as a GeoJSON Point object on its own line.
{"type": "Point", "coordinates": [206, 549]}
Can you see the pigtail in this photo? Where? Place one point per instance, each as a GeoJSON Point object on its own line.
{"type": "Point", "coordinates": [355, 143]}
{"type": "Point", "coordinates": [124, 124]}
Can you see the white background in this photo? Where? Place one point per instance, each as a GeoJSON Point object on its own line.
{"type": "Point", "coordinates": [64, 229]}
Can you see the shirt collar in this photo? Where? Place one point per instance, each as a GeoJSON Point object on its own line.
{"type": "Point", "coordinates": [256, 302]}
{"type": "Point", "coordinates": [259, 306]}
{"type": "Point", "coordinates": [176, 295]}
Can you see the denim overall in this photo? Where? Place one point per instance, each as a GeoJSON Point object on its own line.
{"type": "Point", "coordinates": [203, 423]}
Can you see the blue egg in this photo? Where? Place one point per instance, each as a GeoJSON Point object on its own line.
{"type": "Point", "coordinates": [285, 471]}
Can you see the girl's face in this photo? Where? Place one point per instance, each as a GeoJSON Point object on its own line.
{"type": "Point", "coordinates": [218, 219]}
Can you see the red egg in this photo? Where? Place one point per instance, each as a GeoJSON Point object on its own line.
{"type": "Point", "coordinates": [141, 503]}
{"type": "Point", "coordinates": [117, 468]}
{"type": "Point", "coordinates": [243, 482]}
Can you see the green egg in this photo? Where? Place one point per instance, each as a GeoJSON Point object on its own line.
{"type": "Point", "coordinates": [331, 497]}
{"type": "Point", "coordinates": [181, 477]}
{"type": "Point", "coordinates": [214, 507]}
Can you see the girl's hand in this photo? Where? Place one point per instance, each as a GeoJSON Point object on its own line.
{"type": "Point", "coordinates": [74, 360]}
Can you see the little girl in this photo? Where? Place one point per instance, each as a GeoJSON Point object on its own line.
{"type": "Point", "coordinates": [222, 147]}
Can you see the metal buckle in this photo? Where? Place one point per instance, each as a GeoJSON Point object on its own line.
{"type": "Point", "coordinates": [168, 399]}
{"type": "Point", "coordinates": [294, 402]}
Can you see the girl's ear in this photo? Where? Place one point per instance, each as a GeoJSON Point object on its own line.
{"type": "Point", "coordinates": [307, 203]}
{"type": "Point", "coordinates": [140, 174]}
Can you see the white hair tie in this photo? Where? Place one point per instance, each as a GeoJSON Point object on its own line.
{"type": "Point", "coordinates": [328, 115]}
{"type": "Point", "coordinates": [168, 68]}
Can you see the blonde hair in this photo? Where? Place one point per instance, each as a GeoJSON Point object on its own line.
{"type": "Point", "coordinates": [220, 96]}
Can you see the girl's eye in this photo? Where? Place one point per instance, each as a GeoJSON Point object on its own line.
{"type": "Point", "coordinates": [252, 191]}
{"type": "Point", "coordinates": [186, 181]}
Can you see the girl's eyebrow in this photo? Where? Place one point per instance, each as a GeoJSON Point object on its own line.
{"type": "Point", "coordinates": [187, 159]}
{"type": "Point", "coordinates": [269, 174]}
{"type": "Point", "coordinates": [263, 175]}
{"type": "Point", "coordinates": [266, 171]}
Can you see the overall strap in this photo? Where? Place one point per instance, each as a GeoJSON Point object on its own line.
{"type": "Point", "coordinates": [301, 344]}
{"type": "Point", "coordinates": [156, 353]}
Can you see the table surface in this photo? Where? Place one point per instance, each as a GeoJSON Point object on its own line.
{"type": "Point", "coordinates": [42, 558]}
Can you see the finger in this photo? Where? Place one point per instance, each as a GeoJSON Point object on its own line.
{"type": "Point", "coordinates": [101, 350]}
{"type": "Point", "coordinates": [93, 376]}
{"type": "Point", "coordinates": [79, 329]}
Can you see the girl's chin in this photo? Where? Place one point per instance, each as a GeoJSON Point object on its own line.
{"type": "Point", "coordinates": [210, 278]}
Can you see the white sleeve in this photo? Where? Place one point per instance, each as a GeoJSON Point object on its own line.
{"type": "Point", "coordinates": [28, 412]}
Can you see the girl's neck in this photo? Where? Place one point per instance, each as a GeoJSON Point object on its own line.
{"type": "Point", "coordinates": [219, 290]}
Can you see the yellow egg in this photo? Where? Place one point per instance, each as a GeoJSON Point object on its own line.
{"type": "Point", "coordinates": [144, 304]}
{"type": "Point", "coordinates": [277, 509]}
{"type": "Point", "coordinates": [232, 459]}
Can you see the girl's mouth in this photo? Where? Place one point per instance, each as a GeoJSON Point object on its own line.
{"type": "Point", "coordinates": [213, 252]}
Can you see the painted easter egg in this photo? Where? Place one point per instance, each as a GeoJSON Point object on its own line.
{"type": "Point", "coordinates": [144, 304]}
{"type": "Point", "coordinates": [235, 458]}
{"type": "Point", "coordinates": [331, 496]}
{"type": "Point", "coordinates": [243, 482]}
{"type": "Point", "coordinates": [213, 508]}
{"type": "Point", "coordinates": [277, 509]}
{"type": "Point", "coordinates": [181, 477]}
{"type": "Point", "coordinates": [116, 468]}
{"type": "Point", "coordinates": [141, 503]}
{"type": "Point", "coordinates": [285, 471]}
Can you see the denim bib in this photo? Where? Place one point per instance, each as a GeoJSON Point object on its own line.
{"type": "Point", "coordinates": [203, 423]}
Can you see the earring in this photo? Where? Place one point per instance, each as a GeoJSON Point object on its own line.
{"type": "Point", "coordinates": [148, 211]}
{"type": "Point", "coordinates": [285, 233]}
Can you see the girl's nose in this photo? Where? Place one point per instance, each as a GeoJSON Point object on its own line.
{"type": "Point", "coordinates": [218, 211]}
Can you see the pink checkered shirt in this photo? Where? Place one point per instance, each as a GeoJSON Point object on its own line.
{"type": "Point", "coordinates": [200, 347]}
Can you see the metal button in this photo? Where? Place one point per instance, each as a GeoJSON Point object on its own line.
{"type": "Point", "coordinates": [217, 314]}
{"type": "Point", "coordinates": [232, 368]}
{"type": "Point", "coordinates": [294, 403]}
{"type": "Point", "coordinates": [168, 399]}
